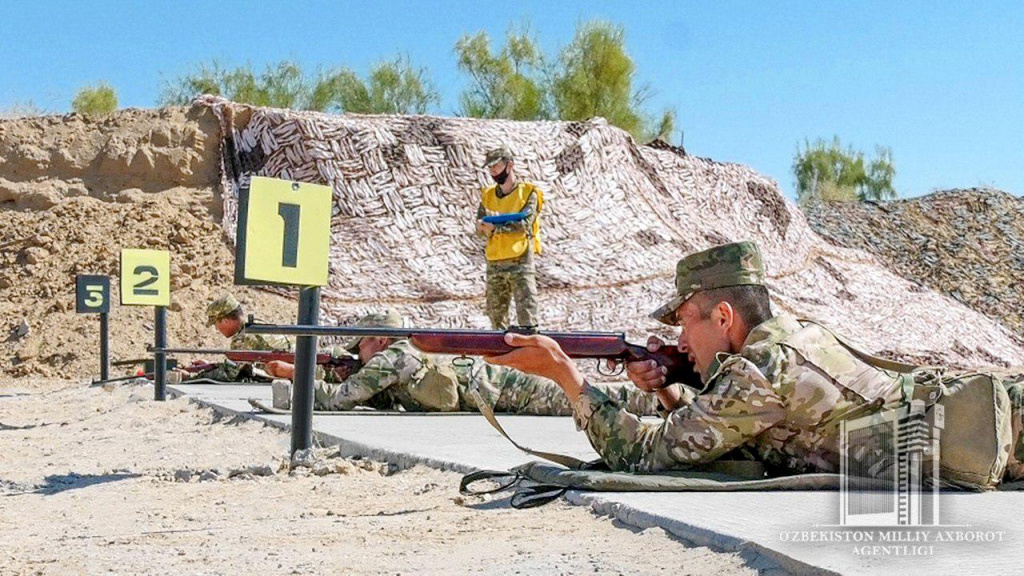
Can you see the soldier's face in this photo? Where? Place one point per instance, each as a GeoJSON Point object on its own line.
{"type": "Point", "coordinates": [501, 167]}
{"type": "Point", "coordinates": [371, 345]}
{"type": "Point", "coordinates": [228, 326]}
{"type": "Point", "coordinates": [701, 338]}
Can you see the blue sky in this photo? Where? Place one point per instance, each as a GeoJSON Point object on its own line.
{"type": "Point", "coordinates": [942, 83]}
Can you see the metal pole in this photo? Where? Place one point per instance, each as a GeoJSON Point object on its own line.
{"type": "Point", "coordinates": [160, 357]}
{"type": "Point", "coordinates": [305, 369]}
{"type": "Point", "coordinates": [104, 346]}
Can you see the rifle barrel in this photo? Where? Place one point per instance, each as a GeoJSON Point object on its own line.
{"type": "Point", "coordinates": [220, 351]}
{"type": "Point", "coordinates": [363, 331]}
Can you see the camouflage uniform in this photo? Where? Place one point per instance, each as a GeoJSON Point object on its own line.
{"type": "Point", "coordinates": [781, 396]}
{"type": "Point", "coordinates": [229, 371]}
{"type": "Point", "coordinates": [511, 278]}
{"type": "Point", "coordinates": [403, 376]}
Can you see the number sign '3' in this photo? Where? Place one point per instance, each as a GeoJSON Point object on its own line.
{"type": "Point", "coordinates": [92, 294]}
{"type": "Point", "coordinates": [284, 233]}
{"type": "Point", "coordinates": [145, 277]}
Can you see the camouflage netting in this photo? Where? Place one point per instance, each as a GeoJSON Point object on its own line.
{"type": "Point", "coordinates": [967, 244]}
{"type": "Point", "coordinates": [617, 218]}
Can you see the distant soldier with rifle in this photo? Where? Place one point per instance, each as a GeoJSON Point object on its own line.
{"type": "Point", "coordinates": [395, 374]}
{"type": "Point", "coordinates": [228, 317]}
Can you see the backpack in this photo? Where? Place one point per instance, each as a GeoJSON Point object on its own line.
{"type": "Point", "coordinates": [977, 434]}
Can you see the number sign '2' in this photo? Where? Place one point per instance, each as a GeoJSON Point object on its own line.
{"type": "Point", "coordinates": [145, 277]}
{"type": "Point", "coordinates": [284, 233]}
{"type": "Point", "coordinates": [92, 294]}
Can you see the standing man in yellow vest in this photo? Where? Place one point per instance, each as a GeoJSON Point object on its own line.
{"type": "Point", "coordinates": [509, 218]}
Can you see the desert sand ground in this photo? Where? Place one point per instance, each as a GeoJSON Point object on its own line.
{"type": "Point", "coordinates": [108, 481]}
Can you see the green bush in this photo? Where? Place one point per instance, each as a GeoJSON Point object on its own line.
{"type": "Point", "coordinates": [99, 100]}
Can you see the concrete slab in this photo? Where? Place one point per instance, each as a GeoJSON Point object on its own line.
{"type": "Point", "coordinates": [794, 531]}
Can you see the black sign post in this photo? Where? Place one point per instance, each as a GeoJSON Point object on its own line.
{"type": "Point", "coordinates": [146, 281]}
{"type": "Point", "coordinates": [92, 296]}
{"type": "Point", "coordinates": [159, 356]}
{"type": "Point", "coordinates": [305, 370]}
{"type": "Point", "coordinates": [284, 238]}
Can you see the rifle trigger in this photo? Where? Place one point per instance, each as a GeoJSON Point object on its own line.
{"type": "Point", "coordinates": [463, 362]}
{"type": "Point", "coordinates": [620, 365]}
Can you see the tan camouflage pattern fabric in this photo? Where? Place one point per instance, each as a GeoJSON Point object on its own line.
{"type": "Point", "coordinates": [496, 155]}
{"type": "Point", "coordinates": [388, 318]}
{"type": "Point", "coordinates": [735, 264]}
{"type": "Point", "coordinates": [781, 397]}
{"type": "Point", "coordinates": [243, 341]}
{"type": "Point", "coordinates": [221, 308]}
{"type": "Point", "coordinates": [513, 392]}
{"type": "Point", "coordinates": [507, 282]}
{"type": "Point", "coordinates": [395, 377]}
{"type": "Point", "coordinates": [1013, 381]}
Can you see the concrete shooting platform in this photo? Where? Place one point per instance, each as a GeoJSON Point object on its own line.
{"type": "Point", "coordinates": [791, 531]}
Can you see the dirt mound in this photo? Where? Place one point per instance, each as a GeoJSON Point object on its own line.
{"type": "Point", "coordinates": [47, 159]}
{"type": "Point", "coordinates": [967, 244]}
{"type": "Point", "coordinates": [43, 251]}
{"type": "Point", "coordinates": [73, 192]}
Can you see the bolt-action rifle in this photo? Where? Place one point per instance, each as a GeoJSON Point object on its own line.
{"type": "Point", "coordinates": [599, 345]}
{"type": "Point", "coordinates": [343, 366]}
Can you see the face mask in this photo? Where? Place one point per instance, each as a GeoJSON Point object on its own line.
{"type": "Point", "coordinates": [501, 176]}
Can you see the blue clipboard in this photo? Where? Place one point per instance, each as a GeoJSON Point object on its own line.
{"type": "Point", "coordinates": [505, 218]}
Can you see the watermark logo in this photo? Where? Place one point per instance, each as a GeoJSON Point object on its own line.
{"type": "Point", "coordinates": [889, 489]}
{"type": "Point", "coordinates": [885, 458]}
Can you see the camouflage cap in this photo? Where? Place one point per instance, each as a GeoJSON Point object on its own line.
{"type": "Point", "coordinates": [221, 308]}
{"type": "Point", "coordinates": [736, 264]}
{"type": "Point", "coordinates": [389, 318]}
{"type": "Point", "coordinates": [497, 155]}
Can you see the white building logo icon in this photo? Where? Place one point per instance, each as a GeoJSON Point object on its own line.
{"type": "Point", "coordinates": [893, 451]}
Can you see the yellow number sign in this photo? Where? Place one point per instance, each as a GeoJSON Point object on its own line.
{"type": "Point", "coordinates": [145, 277]}
{"type": "Point", "coordinates": [284, 233]}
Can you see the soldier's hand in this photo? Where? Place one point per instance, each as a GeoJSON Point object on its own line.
{"type": "Point", "coordinates": [648, 375]}
{"type": "Point", "coordinates": [280, 369]}
{"type": "Point", "coordinates": [341, 373]}
{"type": "Point", "coordinates": [540, 355]}
{"type": "Point", "coordinates": [485, 227]}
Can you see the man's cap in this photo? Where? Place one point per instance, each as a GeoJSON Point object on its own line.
{"type": "Point", "coordinates": [221, 308]}
{"type": "Point", "coordinates": [497, 155]}
{"type": "Point", "coordinates": [389, 318]}
{"type": "Point", "coordinates": [736, 264]}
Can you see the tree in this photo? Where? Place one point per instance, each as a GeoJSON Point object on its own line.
{"type": "Point", "coordinates": [507, 84]}
{"type": "Point", "coordinates": [280, 85]}
{"type": "Point", "coordinates": [825, 171]}
{"type": "Point", "coordinates": [596, 78]}
{"type": "Point", "coordinates": [99, 100]}
{"type": "Point", "coordinates": [393, 87]}
{"type": "Point", "coordinates": [206, 78]}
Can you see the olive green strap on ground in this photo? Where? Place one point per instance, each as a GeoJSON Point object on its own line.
{"type": "Point", "coordinates": [485, 409]}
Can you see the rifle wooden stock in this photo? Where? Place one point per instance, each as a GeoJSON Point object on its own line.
{"type": "Point", "coordinates": [599, 345]}
{"type": "Point", "coordinates": [249, 356]}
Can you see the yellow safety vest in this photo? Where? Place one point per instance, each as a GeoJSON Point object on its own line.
{"type": "Point", "coordinates": [505, 245]}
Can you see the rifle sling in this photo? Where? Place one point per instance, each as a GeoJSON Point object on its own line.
{"type": "Point", "coordinates": [485, 409]}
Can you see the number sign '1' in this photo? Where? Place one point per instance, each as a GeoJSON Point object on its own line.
{"type": "Point", "coordinates": [284, 233]}
{"type": "Point", "coordinates": [145, 277]}
{"type": "Point", "coordinates": [92, 294]}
